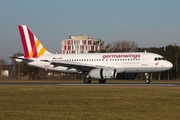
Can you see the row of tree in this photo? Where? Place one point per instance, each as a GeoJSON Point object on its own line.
{"type": "Point", "coordinates": [170, 52]}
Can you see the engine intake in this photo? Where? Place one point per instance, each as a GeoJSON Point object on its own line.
{"type": "Point", "coordinates": [103, 73]}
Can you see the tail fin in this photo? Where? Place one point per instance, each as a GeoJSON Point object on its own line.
{"type": "Point", "coordinates": [31, 45]}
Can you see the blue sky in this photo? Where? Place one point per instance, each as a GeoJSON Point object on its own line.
{"type": "Point", "coordinates": [149, 23]}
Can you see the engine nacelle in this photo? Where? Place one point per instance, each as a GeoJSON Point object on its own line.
{"type": "Point", "coordinates": [103, 73]}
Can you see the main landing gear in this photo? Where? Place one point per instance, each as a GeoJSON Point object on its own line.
{"type": "Point", "coordinates": [102, 81]}
{"type": "Point", "coordinates": [88, 80]}
{"type": "Point", "coordinates": [147, 78]}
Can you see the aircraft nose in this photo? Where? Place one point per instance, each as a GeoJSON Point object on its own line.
{"type": "Point", "coordinates": [169, 65]}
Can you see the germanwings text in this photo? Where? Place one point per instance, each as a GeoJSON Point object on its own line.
{"type": "Point", "coordinates": [134, 56]}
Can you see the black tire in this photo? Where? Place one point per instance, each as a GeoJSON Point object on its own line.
{"type": "Point", "coordinates": [147, 81]}
{"type": "Point", "coordinates": [86, 80]}
{"type": "Point", "coordinates": [102, 81]}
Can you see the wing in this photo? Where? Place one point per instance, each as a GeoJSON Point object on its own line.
{"type": "Point", "coordinates": [81, 67]}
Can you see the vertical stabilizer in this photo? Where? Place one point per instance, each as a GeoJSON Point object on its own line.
{"type": "Point", "coordinates": [31, 45]}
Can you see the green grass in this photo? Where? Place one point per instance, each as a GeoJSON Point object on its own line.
{"type": "Point", "coordinates": [90, 103]}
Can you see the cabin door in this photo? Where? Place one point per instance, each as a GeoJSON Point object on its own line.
{"type": "Point", "coordinates": [145, 60]}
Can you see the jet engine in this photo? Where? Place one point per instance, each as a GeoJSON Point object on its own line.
{"type": "Point", "coordinates": [103, 73]}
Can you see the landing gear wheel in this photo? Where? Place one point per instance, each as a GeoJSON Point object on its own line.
{"type": "Point", "coordinates": [147, 78]}
{"type": "Point", "coordinates": [102, 81]}
{"type": "Point", "coordinates": [87, 80]}
{"type": "Point", "coordinates": [148, 81]}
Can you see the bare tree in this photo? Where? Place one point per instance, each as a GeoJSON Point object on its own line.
{"type": "Point", "coordinates": [16, 66]}
{"type": "Point", "coordinates": [124, 46]}
{"type": "Point", "coordinates": [2, 63]}
{"type": "Point", "coordinates": [24, 68]}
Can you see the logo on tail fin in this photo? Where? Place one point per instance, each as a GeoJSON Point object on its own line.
{"type": "Point", "coordinates": [31, 45]}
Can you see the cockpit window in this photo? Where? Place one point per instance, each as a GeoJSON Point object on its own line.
{"type": "Point", "coordinates": [159, 58]}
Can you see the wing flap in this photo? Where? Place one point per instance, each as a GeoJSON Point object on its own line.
{"type": "Point", "coordinates": [75, 65]}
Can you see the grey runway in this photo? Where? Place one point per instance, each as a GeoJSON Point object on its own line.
{"type": "Point", "coordinates": [78, 84]}
{"type": "Point", "coordinates": [122, 85]}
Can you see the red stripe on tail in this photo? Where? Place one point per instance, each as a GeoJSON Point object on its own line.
{"type": "Point", "coordinates": [33, 45]}
{"type": "Point", "coordinates": [23, 39]}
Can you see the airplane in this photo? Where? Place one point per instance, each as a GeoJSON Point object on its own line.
{"type": "Point", "coordinates": [101, 66]}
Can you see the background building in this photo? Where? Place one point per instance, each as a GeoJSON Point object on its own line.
{"type": "Point", "coordinates": [80, 44]}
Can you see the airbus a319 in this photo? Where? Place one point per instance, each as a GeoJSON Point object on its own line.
{"type": "Point", "coordinates": [101, 66]}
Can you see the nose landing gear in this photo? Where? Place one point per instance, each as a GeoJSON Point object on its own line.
{"type": "Point", "coordinates": [147, 78]}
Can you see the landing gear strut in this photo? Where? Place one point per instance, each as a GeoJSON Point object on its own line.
{"type": "Point", "coordinates": [147, 78]}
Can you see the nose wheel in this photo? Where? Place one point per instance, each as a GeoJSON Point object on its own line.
{"type": "Point", "coordinates": [147, 75]}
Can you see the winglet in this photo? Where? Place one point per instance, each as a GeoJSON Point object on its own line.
{"type": "Point", "coordinates": [31, 45]}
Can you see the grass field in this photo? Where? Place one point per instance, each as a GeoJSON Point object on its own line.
{"type": "Point", "coordinates": [90, 103]}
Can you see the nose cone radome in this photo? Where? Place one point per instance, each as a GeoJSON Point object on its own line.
{"type": "Point", "coordinates": [169, 65]}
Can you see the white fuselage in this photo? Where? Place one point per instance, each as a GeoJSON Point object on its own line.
{"type": "Point", "coordinates": [135, 62]}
